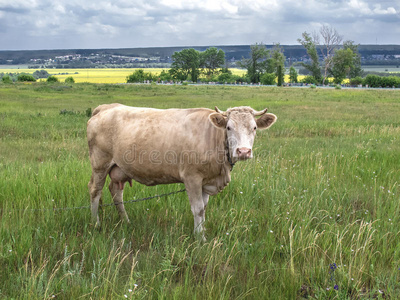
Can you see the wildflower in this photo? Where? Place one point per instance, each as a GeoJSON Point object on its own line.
{"type": "Point", "coordinates": [126, 296]}
{"type": "Point", "coordinates": [336, 287]}
{"type": "Point", "coordinates": [271, 231]}
{"type": "Point", "coordinates": [135, 285]}
{"type": "Point", "coordinates": [130, 290]}
{"type": "Point", "coordinates": [227, 233]}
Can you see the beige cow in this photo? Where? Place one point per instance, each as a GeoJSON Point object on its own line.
{"type": "Point", "coordinates": [197, 147]}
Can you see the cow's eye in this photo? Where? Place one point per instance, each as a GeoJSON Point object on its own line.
{"type": "Point", "coordinates": [255, 128]}
{"type": "Point", "coordinates": [228, 128]}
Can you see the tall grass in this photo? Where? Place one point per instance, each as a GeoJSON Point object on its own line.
{"type": "Point", "coordinates": [323, 188]}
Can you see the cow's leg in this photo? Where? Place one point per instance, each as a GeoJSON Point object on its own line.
{"type": "Point", "coordinates": [100, 162]}
{"type": "Point", "coordinates": [195, 193]}
{"type": "Point", "coordinates": [95, 185]}
{"type": "Point", "coordinates": [205, 202]}
{"type": "Point", "coordinates": [117, 192]}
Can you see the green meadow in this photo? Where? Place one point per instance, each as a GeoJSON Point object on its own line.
{"type": "Point", "coordinates": [314, 215]}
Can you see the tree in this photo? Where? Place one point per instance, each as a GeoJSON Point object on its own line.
{"type": "Point", "coordinates": [293, 75]}
{"type": "Point", "coordinates": [342, 62]}
{"type": "Point", "coordinates": [256, 65]}
{"type": "Point", "coordinates": [314, 67]}
{"type": "Point", "coordinates": [331, 41]}
{"type": "Point", "coordinates": [211, 60]}
{"type": "Point", "coordinates": [276, 63]}
{"type": "Point", "coordinates": [185, 63]}
{"type": "Point", "coordinates": [355, 70]}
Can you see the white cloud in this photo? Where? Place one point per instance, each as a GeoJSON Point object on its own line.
{"type": "Point", "coordinates": [141, 23]}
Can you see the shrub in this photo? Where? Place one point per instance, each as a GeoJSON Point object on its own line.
{"type": "Point", "coordinates": [139, 76]}
{"type": "Point", "coordinates": [373, 80]}
{"type": "Point", "coordinates": [25, 78]}
{"type": "Point", "coordinates": [225, 77]}
{"type": "Point", "coordinates": [376, 81]}
{"type": "Point", "coordinates": [164, 76]}
{"type": "Point", "coordinates": [6, 79]}
{"type": "Point", "coordinates": [41, 74]}
{"type": "Point", "coordinates": [268, 78]}
{"type": "Point", "coordinates": [309, 80]}
{"type": "Point", "coordinates": [356, 81]}
{"type": "Point", "coordinates": [391, 81]}
{"type": "Point", "coordinates": [52, 79]}
{"type": "Point", "coordinates": [69, 79]}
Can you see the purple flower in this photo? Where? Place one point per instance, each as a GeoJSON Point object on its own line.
{"type": "Point", "coordinates": [336, 287]}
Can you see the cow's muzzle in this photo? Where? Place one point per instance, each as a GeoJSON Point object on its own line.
{"type": "Point", "coordinates": [243, 153]}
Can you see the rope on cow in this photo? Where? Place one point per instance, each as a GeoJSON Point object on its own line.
{"type": "Point", "coordinates": [103, 205]}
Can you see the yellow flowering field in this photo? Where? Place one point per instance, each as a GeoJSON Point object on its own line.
{"type": "Point", "coordinates": [97, 75]}
{"type": "Point", "coordinates": [109, 75]}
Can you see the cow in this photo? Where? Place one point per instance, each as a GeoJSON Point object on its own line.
{"type": "Point", "coordinates": [197, 147]}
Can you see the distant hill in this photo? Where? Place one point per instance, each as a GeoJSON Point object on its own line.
{"type": "Point", "coordinates": [371, 54]}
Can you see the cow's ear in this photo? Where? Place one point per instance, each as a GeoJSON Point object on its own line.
{"type": "Point", "coordinates": [218, 120]}
{"type": "Point", "coordinates": [266, 121]}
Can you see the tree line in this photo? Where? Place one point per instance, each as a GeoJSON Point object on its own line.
{"type": "Point", "coordinates": [340, 60]}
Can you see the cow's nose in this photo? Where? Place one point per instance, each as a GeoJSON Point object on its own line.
{"type": "Point", "coordinates": [243, 153]}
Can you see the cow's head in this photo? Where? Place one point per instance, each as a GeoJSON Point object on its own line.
{"type": "Point", "coordinates": [241, 124]}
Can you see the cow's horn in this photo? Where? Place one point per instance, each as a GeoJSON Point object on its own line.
{"type": "Point", "coordinates": [260, 113]}
{"type": "Point", "coordinates": [219, 111]}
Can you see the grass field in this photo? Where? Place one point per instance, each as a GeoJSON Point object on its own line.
{"type": "Point", "coordinates": [323, 189]}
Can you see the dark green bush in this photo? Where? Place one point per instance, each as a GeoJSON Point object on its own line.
{"type": "Point", "coordinates": [268, 79]}
{"type": "Point", "coordinates": [356, 81]}
{"type": "Point", "coordinates": [139, 76]}
{"type": "Point", "coordinates": [310, 80]}
{"type": "Point", "coordinates": [26, 78]}
{"type": "Point", "coordinates": [52, 79]}
{"type": "Point", "coordinates": [376, 81]}
{"type": "Point", "coordinates": [6, 79]}
{"type": "Point", "coordinates": [69, 79]}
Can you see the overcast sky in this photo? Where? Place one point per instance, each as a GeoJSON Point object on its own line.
{"type": "Point", "coordinates": [76, 24]}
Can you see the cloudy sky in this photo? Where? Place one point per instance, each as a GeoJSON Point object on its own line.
{"type": "Point", "coordinates": [72, 24]}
